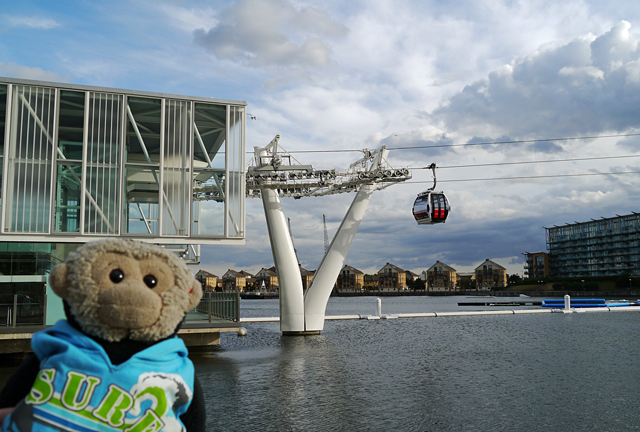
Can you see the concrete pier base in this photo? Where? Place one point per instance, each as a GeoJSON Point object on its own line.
{"type": "Point", "coordinates": [301, 333]}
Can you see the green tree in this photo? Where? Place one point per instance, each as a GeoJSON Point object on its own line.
{"type": "Point", "coordinates": [513, 279]}
{"type": "Point", "coordinates": [416, 285]}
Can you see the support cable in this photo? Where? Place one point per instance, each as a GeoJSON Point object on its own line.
{"type": "Point", "coordinates": [529, 177]}
{"type": "Point", "coordinates": [533, 162]}
{"type": "Point", "coordinates": [478, 143]}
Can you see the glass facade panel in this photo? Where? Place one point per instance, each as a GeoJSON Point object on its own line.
{"type": "Point", "coordinates": [68, 197]}
{"type": "Point", "coordinates": [143, 218]}
{"type": "Point", "coordinates": [209, 136]}
{"type": "Point", "coordinates": [176, 168]}
{"type": "Point", "coordinates": [143, 130]}
{"type": "Point", "coordinates": [235, 200]}
{"type": "Point", "coordinates": [142, 200]}
{"type": "Point", "coordinates": [101, 206]}
{"type": "Point", "coordinates": [103, 149]}
{"type": "Point", "coordinates": [71, 125]}
{"type": "Point", "coordinates": [30, 155]}
{"type": "Point", "coordinates": [3, 114]}
{"type": "Point", "coordinates": [209, 162]}
{"type": "Point", "coordinates": [68, 192]}
{"type": "Point", "coordinates": [208, 205]}
{"type": "Point", "coordinates": [3, 128]}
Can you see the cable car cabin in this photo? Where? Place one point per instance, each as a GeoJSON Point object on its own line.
{"type": "Point", "coordinates": [431, 207]}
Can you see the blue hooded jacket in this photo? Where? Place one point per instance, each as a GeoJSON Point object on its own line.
{"type": "Point", "coordinates": [79, 389]}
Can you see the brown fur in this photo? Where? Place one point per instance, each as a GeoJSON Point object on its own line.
{"type": "Point", "coordinates": [129, 309]}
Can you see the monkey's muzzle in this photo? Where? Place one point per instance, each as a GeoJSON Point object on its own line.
{"type": "Point", "coordinates": [124, 307]}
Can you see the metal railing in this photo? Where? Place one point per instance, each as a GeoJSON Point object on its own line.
{"type": "Point", "coordinates": [19, 310]}
{"type": "Point", "coordinates": [221, 305]}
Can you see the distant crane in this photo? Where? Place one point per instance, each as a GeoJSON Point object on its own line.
{"type": "Point", "coordinates": [326, 236]}
{"type": "Point", "coordinates": [294, 246]}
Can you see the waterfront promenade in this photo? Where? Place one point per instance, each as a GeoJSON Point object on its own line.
{"type": "Point", "coordinates": [197, 331]}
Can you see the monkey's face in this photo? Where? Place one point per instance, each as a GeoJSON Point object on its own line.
{"type": "Point", "coordinates": [115, 293]}
{"type": "Point", "coordinates": [129, 290]}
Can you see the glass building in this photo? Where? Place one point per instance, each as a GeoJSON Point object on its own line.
{"type": "Point", "coordinates": [81, 163]}
{"type": "Point", "coordinates": [608, 246]}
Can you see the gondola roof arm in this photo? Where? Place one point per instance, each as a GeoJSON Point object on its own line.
{"type": "Point", "coordinates": [433, 168]}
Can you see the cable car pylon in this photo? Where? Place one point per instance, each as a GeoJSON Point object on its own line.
{"type": "Point", "coordinates": [303, 312]}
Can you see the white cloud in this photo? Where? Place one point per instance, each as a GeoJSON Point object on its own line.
{"type": "Point", "coordinates": [271, 32]}
{"type": "Point", "coordinates": [581, 87]}
{"type": "Point", "coordinates": [30, 22]}
{"type": "Point", "coordinates": [587, 197]}
{"type": "Point", "coordinates": [589, 71]}
{"type": "Point", "coordinates": [35, 73]}
{"type": "Point", "coordinates": [189, 20]}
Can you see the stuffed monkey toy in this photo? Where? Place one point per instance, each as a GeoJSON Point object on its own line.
{"type": "Point", "coordinates": [116, 362]}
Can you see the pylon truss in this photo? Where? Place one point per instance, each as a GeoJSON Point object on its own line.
{"type": "Point", "coordinates": [280, 171]}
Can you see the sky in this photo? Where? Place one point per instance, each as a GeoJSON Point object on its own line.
{"type": "Point", "coordinates": [544, 80]}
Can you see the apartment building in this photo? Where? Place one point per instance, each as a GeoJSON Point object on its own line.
{"type": "Point", "coordinates": [307, 277]}
{"type": "Point", "coordinates": [392, 276]}
{"type": "Point", "coordinates": [266, 280]}
{"type": "Point", "coordinates": [208, 280]}
{"type": "Point", "coordinates": [607, 246]}
{"type": "Point", "coordinates": [441, 277]}
{"type": "Point", "coordinates": [233, 281]}
{"type": "Point", "coordinates": [350, 279]}
{"type": "Point", "coordinates": [537, 266]}
{"type": "Point", "coordinates": [490, 275]}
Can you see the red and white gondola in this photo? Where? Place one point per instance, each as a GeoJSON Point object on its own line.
{"type": "Point", "coordinates": [431, 206]}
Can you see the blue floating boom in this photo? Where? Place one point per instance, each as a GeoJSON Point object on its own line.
{"type": "Point", "coordinates": [575, 303]}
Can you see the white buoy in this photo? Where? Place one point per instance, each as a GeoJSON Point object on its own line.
{"type": "Point", "coordinates": [379, 307]}
{"type": "Point", "coordinates": [242, 331]}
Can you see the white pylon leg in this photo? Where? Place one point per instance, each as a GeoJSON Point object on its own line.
{"type": "Point", "coordinates": [285, 260]}
{"type": "Point", "coordinates": [317, 296]}
{"type": "Point", "coordinates": [284, 257]}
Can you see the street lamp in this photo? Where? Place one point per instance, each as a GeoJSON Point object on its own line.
{"type": "Point", "coordinates": [583, 285]}
{"type": "Point", "coordinates": [629, 283]}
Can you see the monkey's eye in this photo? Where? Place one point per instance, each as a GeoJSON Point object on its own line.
{"type": "Point", "coordinates": [150, 281]}
{"type": "Point", "coordinates": [116, 276]}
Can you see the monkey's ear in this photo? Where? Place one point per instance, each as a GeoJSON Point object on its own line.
{"type": "Point", "coordinates": [195, 294]}
{"type": "Point", "coordinates": [58, 280]}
